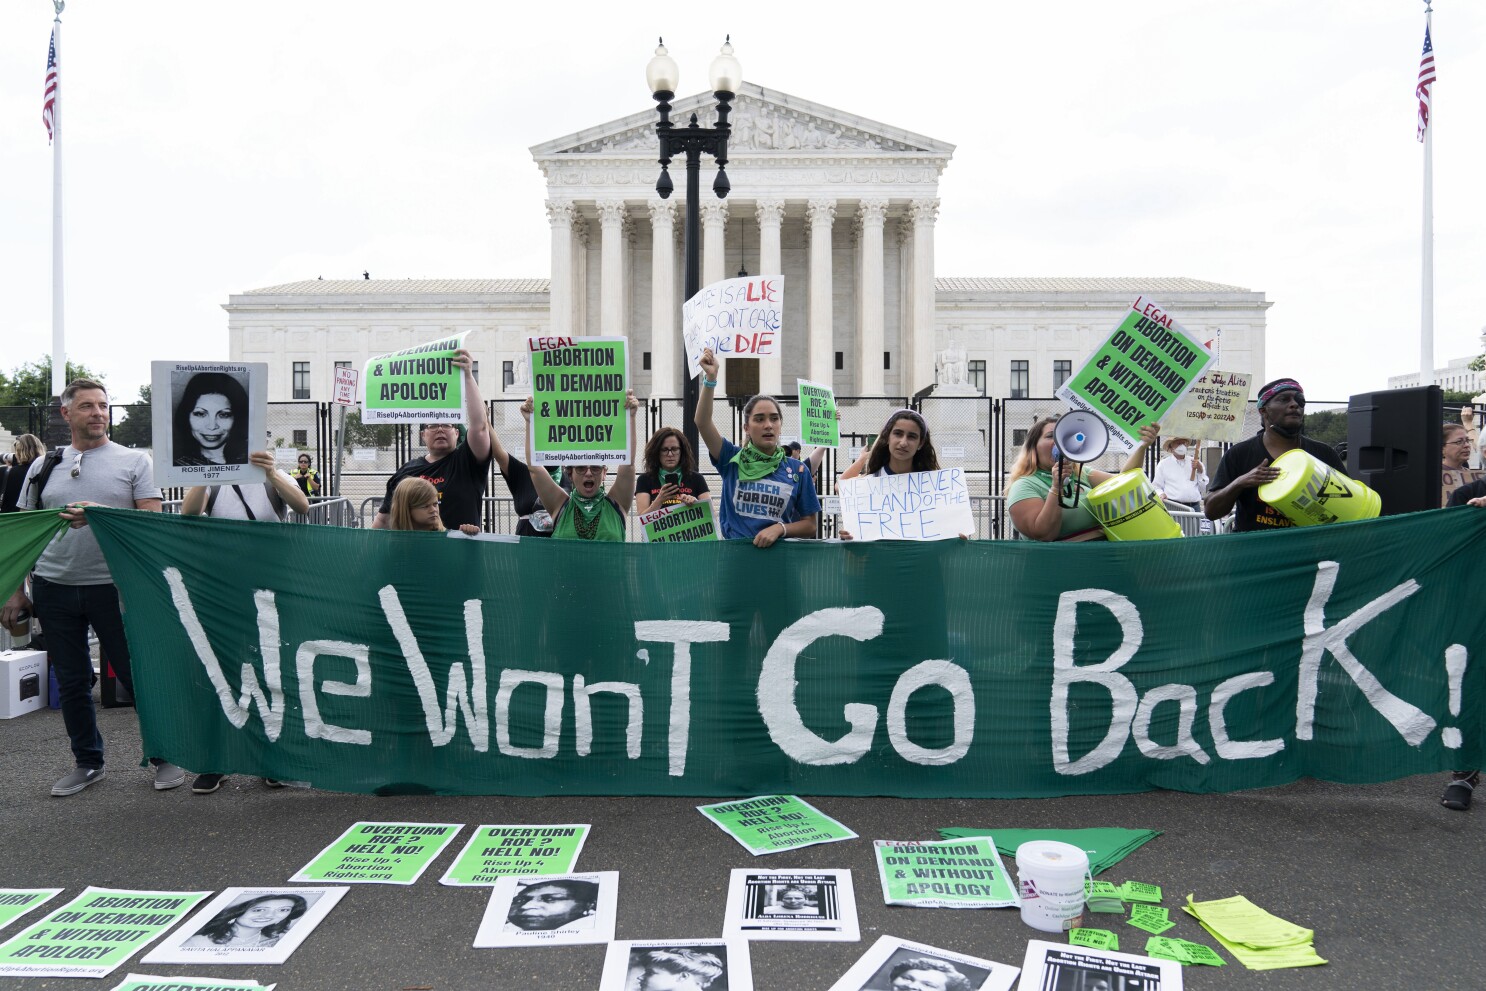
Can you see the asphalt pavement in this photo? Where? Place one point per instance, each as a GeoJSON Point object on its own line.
{"type": "Point", "coordinates": [1390, 881]}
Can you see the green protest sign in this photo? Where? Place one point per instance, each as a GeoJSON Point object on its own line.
{"type": "Point", "coordinates": [415, 385]}
{"type": "Point", "coordinates": [16, 902]}
{"type": "Point", "coordinates": [818, 424]}
{"type": "Point", "coordinates": [1094, 939]}
{"type": "Point", "coordinates": [94, 933]}
{"type": "Point", "coordinates": [380, 853]}
{"type": "Point", "coordinates": [964, 873]}
{"type": "Point", "coordinates": [578, 396]}
{"type": "Point", "coordinates": [817, 671]}
{"type": "Point", "coordinates": [771, 823]}
{"type": "Point", "coordinates": [497, 851]}
{"type": "Point", "coordinates": [149, 982]}
{"type": "Point", "coordinates": [679, 524]}
{"type": "Point", "coordinates": [1138, 372]}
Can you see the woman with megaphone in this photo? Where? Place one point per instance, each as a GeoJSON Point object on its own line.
{"type": "Point", "coordinates": [1044, 494]}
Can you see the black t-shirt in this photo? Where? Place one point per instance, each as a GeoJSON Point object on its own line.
{"type": "Point", "coordinates": [1251, 512]}
{"type": "Point", "coordinates": [460, 478]}
{"type": "Point", "coordinates": [10, 486]}
{"type": "Point", "coordinates": [1467, 492]}
{"type": "Point", "coordinates": [692, 484]}
{"type": "Point", "coordinates": [528, 504]}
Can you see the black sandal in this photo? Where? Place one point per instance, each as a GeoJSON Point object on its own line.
{"type": "Point", "coordinates": [1458, 792]}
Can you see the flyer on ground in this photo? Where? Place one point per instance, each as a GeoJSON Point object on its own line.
{"type": "Point", "coordinates": [683, 964]}
{"type": "Point", "coordinates": [917, 505]}
{"type": "Point", "coordinates": [816, 906]}
{"type": "Point", "coordinates": [553, 910]}
{"type": "Point", "coordinates": [205, 418]}
{"type": "Point", "coordinates": [1137, 373]}
{"type": "Point", "coordinates": [579, 385]}
{"type": "Point", "coordinates": [420, 384]}
{"type": "Point", "coordinates": [497, 850]}
{"type": "Point", "coordinates": [772, 823]}
{"type": "Point", "coordinates": [248, 926]}
{"type": "Point", "coordinates": [380, 853]}
{"type": "Point", "coordinates": [679, 524]}
{"type": "Point", "coordinates": [16, 902]}
{"type": "Point", "coordinates": [1212, 409]}
{"type": "Point", "coordinates": [965, 873]}
{"type": "Point", "coordinates": [150, 982]}
{"type": "Point", "coordinates": [818, 424]}
{"type": "Point", "coordinates": [736, 318]}
{"type": "Point", "coordinates": [1056, 965]}
{"type": "Point", "coordinates": [893, 963]}
{"type": "Point", "coordinates": [92, 935]}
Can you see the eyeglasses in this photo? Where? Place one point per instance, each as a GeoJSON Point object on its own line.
{"type": "Point", "coordinates": [589, 469]}
{"type": "Point", "coordinates": [77, 464]}
{"type": "Point", "coordinates": [1458, 440]}
{"type": "Point", "coordinates": [670, 450]}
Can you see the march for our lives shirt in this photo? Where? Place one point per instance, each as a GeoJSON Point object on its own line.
{"type": "Point", "coordinates": [748, 507]}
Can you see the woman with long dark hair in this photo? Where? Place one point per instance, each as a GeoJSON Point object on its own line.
{"type": "Point", "coordinates": [901, 447]}
{"type": "Point", "coordinates": [210, 425]}
{"type": "Point", "coordinates": [260, 921]}
{"type": "Point", "coordinates": [670, 477]}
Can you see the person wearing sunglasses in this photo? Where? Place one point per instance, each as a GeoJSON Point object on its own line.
{"type": "Point", "coordinates": [670, 477]}
{"type": "Point", "coordinates": [590, 511]}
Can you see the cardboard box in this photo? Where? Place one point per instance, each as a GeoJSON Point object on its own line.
{"type": "Point", "coordinates": [23, 686]}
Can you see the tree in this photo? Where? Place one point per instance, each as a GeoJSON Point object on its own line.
{"type": "Point", "coordinates": [1327, 426]}
{"type": "Point", "coordinates": [136, 428]}
{"type": "Point", "coordinates": [28, 387]}
{"type": "Point", "coordinates": [360, 434]}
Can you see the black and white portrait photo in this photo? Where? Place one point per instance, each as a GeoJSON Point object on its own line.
{"type": "Point", "coordinates": [677, 965]}
{"type": "Point", "coordinates": [550, 911]}
{"type": "Point", "coordinates": [206, 419]}
{"type": "Point", "coordinates": [799, 905]}
{"type": "Point", "coordinates": [894, 964]}
{"type": "Point", "coordinates": [248, 926]}
{"type": "Point", "coordinates": [1059, 967]}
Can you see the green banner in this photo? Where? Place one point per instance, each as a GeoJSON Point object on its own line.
{"type": "Point", "coordinates": [23, 536]}
{"type": "Point", "coordinates": [380, 853]}
{"type": "Point", "coordinates": [94, 933]}
{"type": "Point", "coordinates": [679, 524]}
{"type": "Point", "coordinates": [415, 385]}
{"type": "Point", "coordinates": [578, 395]}
{"type": "Point", "coordinates": [818, 424]}
{"type": "Point", "coordinates": [495, 851]}
{"type": "Point", "coordinates": [1139, 371]}
{"type": "Point", "coordinates": [953, 668]}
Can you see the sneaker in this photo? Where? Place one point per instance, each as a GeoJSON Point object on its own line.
{"type": "Point", "coordinates": [77, 781]}
{"type": "Point", "coordinates": [273, 783]}
{"type": "Point", "coordinates": [1457, 793]}
{"type": "Point", "coordinates": [205, 784]}
{"type": "Point", "coordinates": [168, 776]}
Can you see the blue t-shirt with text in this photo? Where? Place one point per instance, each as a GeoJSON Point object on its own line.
{"type": "Point", "coordinates": [748, 507]}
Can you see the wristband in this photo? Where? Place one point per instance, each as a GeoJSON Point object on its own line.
{"type": "Point", "coordinates": [709, 383]}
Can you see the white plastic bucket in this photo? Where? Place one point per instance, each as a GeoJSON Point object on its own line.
{"type": "Point", "coordinates": [1051, 877]}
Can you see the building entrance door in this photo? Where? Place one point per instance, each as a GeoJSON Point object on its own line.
{"type": "Point", "coordinates": [741, 377]}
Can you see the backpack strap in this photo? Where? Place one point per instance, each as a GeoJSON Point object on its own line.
{"type": "Point", "coordinates": [39, 480]}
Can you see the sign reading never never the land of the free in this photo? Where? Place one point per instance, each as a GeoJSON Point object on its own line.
{"type": "Point", "coordinates": [736, 318]}
{"type": "Point", "coordinates": [1138, 372]}
{"type": "Point", "coordinates": [919, 505]}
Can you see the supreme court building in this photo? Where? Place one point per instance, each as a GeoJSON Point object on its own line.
{"type": "Point", "coordinates": [845, 208]}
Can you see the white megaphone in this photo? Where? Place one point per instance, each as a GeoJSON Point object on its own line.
{"type": "Point", "coordinates": [1079, 436]}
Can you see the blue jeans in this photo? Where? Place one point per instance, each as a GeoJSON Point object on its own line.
{"type": "Point", "coordinates": [66, 612]}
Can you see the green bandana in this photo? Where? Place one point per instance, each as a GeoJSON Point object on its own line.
{"type": "Point", "coordinates": [585, 519]}
{"type": "Point", "coordinates": [754, 464]}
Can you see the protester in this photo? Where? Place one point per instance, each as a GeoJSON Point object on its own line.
{"type": "Point", "coordinates": [1180, 477]}
{"type": "Point", "coordinates": [307, 478]}
{"type": "Point", "coordinates": [927, 974]}
{"type": "Point", "coordinates": [257, 922]}
{"type": "Point", "coordinates": [1037, 491]}
{"type": "Point", "coordinates": [670, 477]}
{"type": "Point", "coordinates": [552, 905]}
{"type": "Point", "coordinates": [457, 470]}
{"type": "Point", "coordinates": [71, 585]}
{"type": "Point", "coordinates": [415, 506]}
{"type": "Point", "coordinates": [1462, 784]}
{"type": "Point", "coordinates": [679, 970]}
{"type": "Point", "coordinates": [25, 449]}
{"type": "Point", "coordinates": [211, 421]}
{"type": "Point", "coordinates": [1249, 464]}
{"type": "Point", "coordinates": [765, 495]}
{"type": "Point", "coordinates": [589, 512]}
{"type": "Point", "coordinates": [901, 447]}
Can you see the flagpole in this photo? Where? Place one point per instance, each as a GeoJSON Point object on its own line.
{"type": "Point", "coordinates": [59, 341]}
{"type": "Point", "coordinates": [1426, 316]}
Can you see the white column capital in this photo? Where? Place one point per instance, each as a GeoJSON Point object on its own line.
{"type": "Point", "coordinates": [611, 212]}
{"type": "Point", "coordinates": [770, 213]}
{"type": "Point", "coordinates": [662, 212]}
{"type": "Point", "coordinates": [872, 212]}
{"type": "Point", "coordinates": [924, 211]}
{"type": "Point", "coordinates": [715, 213]}
{"type": "Point", "coordinates": [821, 212]}
{"type": "Point", "coordinates": [560, 213]}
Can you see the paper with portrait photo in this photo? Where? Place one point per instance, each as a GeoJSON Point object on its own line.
{"type": "Point", "coordinates": [16, 902]}
{"type": "Point", "coordinates": [150, 982]}
{"type": "Point", "coordinates": [380, 853]}
{"type": "Point", "coordinates": [495, 851]}
{"type": "Point", "coordinates": [248, 926]}
{"type": "Point", "coordinates": [814, 906]}
{"type": "Point", "coordinates": [95, 933]}
{"type": "Point", "coordinates": [656, 965]}
{"type": "Point", "coordinates": [550, 910]}
{"type": "Point", "coordinates": [874, 970]}
{"type": "Point", "coordinates": [206, 417]}
{"type": "Point", "coordinates": [1057, 965]}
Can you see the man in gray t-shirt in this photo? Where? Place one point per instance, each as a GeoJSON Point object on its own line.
{"type": "Point", "coordinates": [71, 588]}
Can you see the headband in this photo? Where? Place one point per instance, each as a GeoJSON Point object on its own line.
{"type": "Point", "coordinates": [1272, 389]}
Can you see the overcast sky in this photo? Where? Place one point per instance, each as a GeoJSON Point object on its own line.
{"type": "Point", "coordinates": [215, 148]}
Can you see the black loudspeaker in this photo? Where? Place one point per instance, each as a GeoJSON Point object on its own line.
{"type": "Point", "coordinates": [1393, 446]}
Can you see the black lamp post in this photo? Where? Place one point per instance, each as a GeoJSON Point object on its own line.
{"type": "Point", "coordinates": [663, 76]}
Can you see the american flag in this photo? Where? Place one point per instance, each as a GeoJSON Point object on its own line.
{"type": "Point", "coordinates": [1426, 79]}
{"type": "Point", "coordinates": [49, 95]}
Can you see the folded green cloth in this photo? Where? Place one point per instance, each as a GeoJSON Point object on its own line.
{"type": "Point", "coordinates": [1105, 847]}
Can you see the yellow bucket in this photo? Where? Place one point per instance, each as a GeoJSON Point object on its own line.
{"type": "Point", "coordinates": [1310, 492]}
{"type": "Point", "coordinates": [1127, 507]}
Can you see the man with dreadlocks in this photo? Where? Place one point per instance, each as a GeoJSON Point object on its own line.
{"type": "Point", "coordinates": [1249, 464]}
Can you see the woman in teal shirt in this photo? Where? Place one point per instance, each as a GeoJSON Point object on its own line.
{"type": "Point", "coordinates": [1032, 496]}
